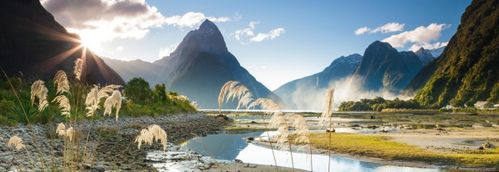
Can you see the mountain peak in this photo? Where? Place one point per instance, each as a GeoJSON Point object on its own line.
{"type": "Point", "coordinates": [379, 44]}
{"type": "Point", "coordinates": [207, 38]}
{"type": "Point", "coordinates": [422, 51]}
{"type": "Point", "coordinates": [424, 55]}
{"type": "Point", "coordinates": [207, 24]}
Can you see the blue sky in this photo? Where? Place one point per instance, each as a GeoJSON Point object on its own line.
{"type": "Point", "coordinates": [312, 33]}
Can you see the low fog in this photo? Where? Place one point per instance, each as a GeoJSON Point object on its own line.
{"type": "Point", "coordinates": [346, 89]}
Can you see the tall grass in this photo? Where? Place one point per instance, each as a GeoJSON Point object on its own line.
{"type": "Point", "coordinates": [66, 99]}
{"type": "Point", "coordinates": [302, 134]}
{"type": "Point", "coordinates": [325, 119]}
{"type": "Point", "coordinates": [233, 90]}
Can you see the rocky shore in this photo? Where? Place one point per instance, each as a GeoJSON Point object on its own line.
{"type": "Point", "coordinates": [100, 144]}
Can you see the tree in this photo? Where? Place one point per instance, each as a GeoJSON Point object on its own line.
{"type": "Point", "coordinates": [159, 92]}
{"type": "Point", "coordinates": [137, 90]}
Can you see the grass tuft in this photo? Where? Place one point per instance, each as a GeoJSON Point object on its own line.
{"type": "Point", "coordinates": [383, 147]}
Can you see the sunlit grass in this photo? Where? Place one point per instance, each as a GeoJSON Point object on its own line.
{"type": "Point", "coordinates": [382, 147]}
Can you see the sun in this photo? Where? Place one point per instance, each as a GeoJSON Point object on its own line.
{"type": "Point", "coordinates": [90, 42]}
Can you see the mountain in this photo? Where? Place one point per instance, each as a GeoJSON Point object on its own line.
{"type": "Point", "coordinates": [437, 52]}
{"type": "Point", "coordinates": [384, 68]}
{"type": "Point", "coordinates": [134, 68]}
{"type": "Point", "coordinates": [33, 44]}
{"type": "Point", "coordinates": [293, 92]}
{"type": "Point", "coordinates": [197, 68]}
{"type": "Point", "coordinates": [467, 70]}
{"type": "Point", "coordinates": [424, 55]}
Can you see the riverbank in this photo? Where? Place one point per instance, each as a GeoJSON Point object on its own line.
{"type": "Point", "coordinates": [428, 140]}
{"type": "Point", "coordinates": [110, 144]}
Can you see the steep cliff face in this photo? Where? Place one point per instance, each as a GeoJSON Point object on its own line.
{"type": "Point", "coordinates": [33, 44]}
{"type": "Point", "coordinates": [468, 69]}
{"type": "Point", "coordinates": [383, 67]}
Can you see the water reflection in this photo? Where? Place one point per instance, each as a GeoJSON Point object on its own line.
{"type": "Point", "coordinates": [233, 146]}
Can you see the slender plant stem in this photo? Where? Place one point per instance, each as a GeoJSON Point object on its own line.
{"type": "Point", "coordinates": [26, 116]}
{"type": "Point", "coordinates": [329, 147]}
{"type": "Point", "coordinates": [271, 146]}
{"type": "Point", "coordinates": [291, 152]}
{"type": "Point", "coordinates": [310, 151]}
{"type": "Point", "coordinates": [29, 157]}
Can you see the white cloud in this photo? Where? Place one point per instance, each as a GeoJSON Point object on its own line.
{"type": "Point", "coordinates": [362, 30]}
{"type": "Point", "coordinates": [193, 19]}
{"type": "Point", "coordinates": [120, 48]}
{"type": "Point", "coordinates": [163, 52]}
{"type": "Point", "coordinates": [386, 28]}
{"type": "Point", "coordinates": [428, 46]}
{"type": "Point", "coordinates": [419, 36]}
{"type": "Point", "coordinates": [248, 33]}
{"type": "Point", "coordinates": [107, 20]}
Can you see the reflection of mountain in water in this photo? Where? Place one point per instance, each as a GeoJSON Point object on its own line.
{"type": "Point", "coordinates": [220, 146]}
{"type": "Point", "coordinates": [233, 146]}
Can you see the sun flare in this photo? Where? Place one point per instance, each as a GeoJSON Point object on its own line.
{"type": "Point", "coordinates": [90, 42]}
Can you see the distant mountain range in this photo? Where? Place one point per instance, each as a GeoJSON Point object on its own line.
{"type": "Point", "coordinates": [34, 45]}
{"type": "Point", "coordinates": [198, 68]}
{"type": "Point", "coordinates": [294, 94]}
{"type": "Point", "coordinates": [468, 69]}
{"type": "Point", "coordinates": [381, 68]}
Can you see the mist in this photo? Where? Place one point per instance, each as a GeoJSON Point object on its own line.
{"type": "Point", "coordinates": [347, 89]}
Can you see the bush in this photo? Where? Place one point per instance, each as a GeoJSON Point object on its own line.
{"type": "Point", "coordinates": [378, 104]}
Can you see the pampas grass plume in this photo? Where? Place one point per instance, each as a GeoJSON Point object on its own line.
{"type": "Point", "coordinates": [39, 93]}
{"type": "Point", "coordinates": [150, 134]}
{"type": "Point", "coordinates": [113, 101]}
{"type": "Point", "coordinates": [61, 82]}
{"type": "Point", "coordinates": [78, 68]}
{"type": "Point", "coordinates": [61, 130]}
{"type": "Point", "coordinates": [64, 105]}
{"type": "Point", "coordinates": [15, 142]}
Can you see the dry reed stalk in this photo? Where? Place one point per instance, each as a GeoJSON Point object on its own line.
{"type": "Point", "coordinates": [280, 122]}
{"type": "Point", "coordinates": [302, 133]}
{"type": "Point", "coordinates": [273, 108]}
{"type": "Point", "coordinates": [326, 120]}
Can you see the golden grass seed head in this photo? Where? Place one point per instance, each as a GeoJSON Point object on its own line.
{"type": "Point", "coordinates": [15, 142]}
{"type": "Point", "coordinates": [39, 94]}
{"type": "Point", "coordinates": [61, 82]}
{"type": "Point", "coordinates": [78, 68]}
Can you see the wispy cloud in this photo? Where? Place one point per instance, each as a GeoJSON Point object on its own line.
{"type": "Point", "coordinates": [420, 37]}
{"type": "Point", "coordinates": [163, 52]}
{"type": "Point", "coordinates": [249, 34]}
{"type": "Point", "coordinates": [386, 28]}
{"type": "Point", "coordinates": [428, 46]}
{"type": "Point", "coordinates": [193, 19]}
